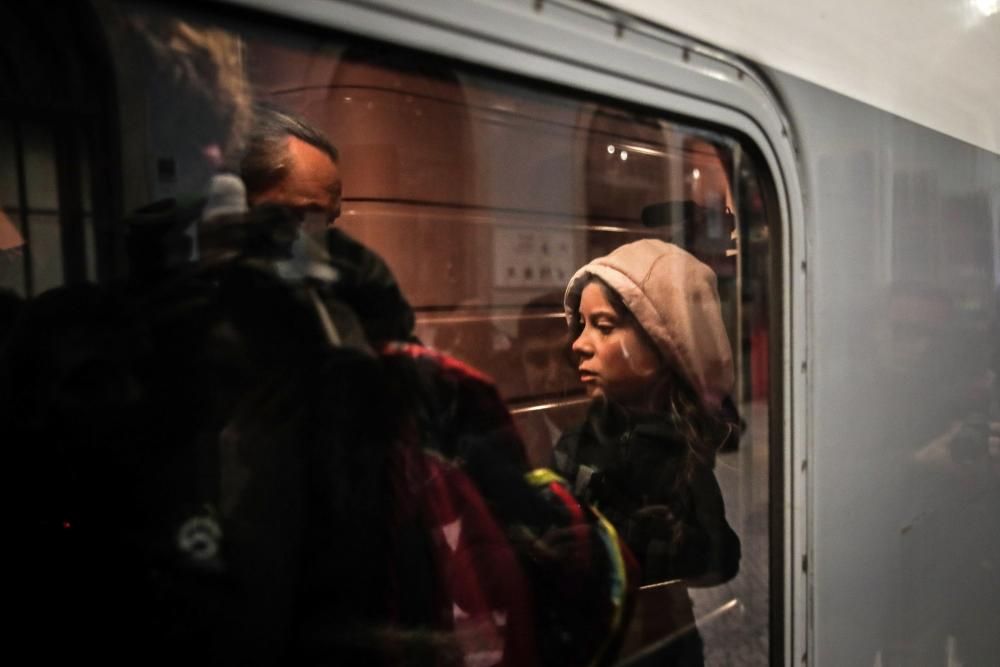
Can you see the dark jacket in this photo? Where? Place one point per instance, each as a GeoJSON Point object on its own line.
{"type": "Point", "coordinates": [631, 469]}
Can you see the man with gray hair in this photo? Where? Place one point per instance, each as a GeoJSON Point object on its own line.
{"type": "Point", "coordinates": [287, 162]}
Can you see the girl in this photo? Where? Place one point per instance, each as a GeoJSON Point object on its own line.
{"type": "Point", "coordinates": [652, 351]}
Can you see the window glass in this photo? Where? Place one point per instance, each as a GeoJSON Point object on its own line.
{"type": "Point", "coordinates": [46, 251]}
{"type": "Point", "coordinates": [83, 146]}
{"type": "Point", "coordinates": [8, 166]}
{"type": "Point", "coordinates": [481, 195]}
{"type": "Point", "coordinates": [486, 194]}
{"type": "Point", "coordinates": [40, 168]}
{"type": "Point", "coordinates": [42, 241]}
{"type": "Point", "coordinates": [11, 239]}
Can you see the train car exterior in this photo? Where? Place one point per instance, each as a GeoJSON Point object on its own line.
{"type": "Point", "coordinates": [488, 149]}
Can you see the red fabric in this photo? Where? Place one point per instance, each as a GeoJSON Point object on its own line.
{"type": "Point", "coordinates": [445, 362]}
{"type": "Point", "coordinates": [522, 570]}
{"type": "Point", "coordinates": [484, 584]}
{"type": "Point", "coordinates": [582, 536]}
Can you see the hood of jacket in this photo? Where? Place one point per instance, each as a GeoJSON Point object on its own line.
{"type": "Point", "coordinates": [675, 299]}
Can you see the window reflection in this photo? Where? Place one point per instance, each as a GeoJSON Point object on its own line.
{"type": "Point", "coordinates": [472, 197]}
{"type": "Point", "coordinates": [473, 224]}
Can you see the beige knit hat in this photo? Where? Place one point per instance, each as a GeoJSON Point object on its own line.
{"type": "Point", "coordinates": [675, 299]}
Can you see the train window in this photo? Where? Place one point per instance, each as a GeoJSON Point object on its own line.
{"type": "Point", "coordinates": [40, 204]}
{"type": "Point", "coordinates": [485, 194]}
{"type": "Point", "coordinates": [11, 240]}
{"type": "Point", "coordinates": [42, 207]}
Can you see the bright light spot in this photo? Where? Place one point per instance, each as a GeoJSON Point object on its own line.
{"type": "Point", "coordinates": [696, 174]}
{"type": "Point", "coordinates": [611, 149]}
{"type": "Point", "coordinates": [623, 155]}
{"type": "Point", "coordinates": [985, 7]}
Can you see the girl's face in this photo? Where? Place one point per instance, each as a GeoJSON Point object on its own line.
{"type": "Point", "coordinates": [616, 361]}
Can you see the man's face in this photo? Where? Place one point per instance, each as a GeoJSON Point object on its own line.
{"type": "Point", "coordinates": [545, 363]}
{"type": "Point", "coordinates": [311, 189]}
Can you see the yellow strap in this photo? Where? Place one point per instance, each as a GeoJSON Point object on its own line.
{"type": "Point", "coordinates": [543, 477]}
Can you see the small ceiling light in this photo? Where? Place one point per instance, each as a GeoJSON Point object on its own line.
{"type": "Point", "coordinates": [696, 174]}
{"type": "Point", "coordinates": [611, 149]}
{"type": "Point", "coordinates": [623, 155]}
{"type": "Point", "coordinates": [986, 7]}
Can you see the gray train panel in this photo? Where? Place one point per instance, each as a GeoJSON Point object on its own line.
{"type": "Point", "coordinates": [902, 226]}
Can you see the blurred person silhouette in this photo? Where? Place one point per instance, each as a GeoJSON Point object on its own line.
{"type": "Point", "coordinates": [541, 347]}
{"type": "Point", "coordinates": [462, 450]}
{"type": "Point", "coordinates": [652, 352]}
{"type": "Point", "coordinates": [10, 306]}
{"type": "Point", "coordinates": [964, 436]}
{"type": "Point", "coordinates": [541, 354]}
